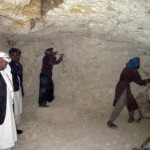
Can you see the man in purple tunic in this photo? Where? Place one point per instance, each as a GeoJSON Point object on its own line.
{"type": "Point", "coordinates": [46, 91]}
{"type": "Point", "coordinates": [123, 94]}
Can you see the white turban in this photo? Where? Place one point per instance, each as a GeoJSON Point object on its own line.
{"type": "Point", "coordinates": [5, 56]}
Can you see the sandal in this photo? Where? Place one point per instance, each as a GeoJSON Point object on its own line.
{"type": "Point", "coordinates": [111, 125]}
{"type": "Point", "coordinates": [131, 120]}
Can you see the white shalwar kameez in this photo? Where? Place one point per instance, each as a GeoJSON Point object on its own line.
{"type": "Point", "coordinates": [8, 135]}
{"type": "Point", "coordinates": [17, 106]}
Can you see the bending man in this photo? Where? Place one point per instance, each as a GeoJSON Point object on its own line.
{"type": "Point", "coordinates": [123, 94]}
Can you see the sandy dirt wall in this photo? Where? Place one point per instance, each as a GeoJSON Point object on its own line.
{"type": "Point", "coordinates": [85, 81]}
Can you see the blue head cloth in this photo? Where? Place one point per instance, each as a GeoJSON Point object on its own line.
{"type": "Point", "coordinates": [133, 63]}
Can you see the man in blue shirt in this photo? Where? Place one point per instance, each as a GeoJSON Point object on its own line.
{"type": "Point", "coordinates": [17, 77]}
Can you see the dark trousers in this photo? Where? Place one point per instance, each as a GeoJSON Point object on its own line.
{"type": "Point", "coordinates": [46, 89]}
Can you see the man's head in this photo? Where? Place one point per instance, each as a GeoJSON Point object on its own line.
{"type": "Point", "coordinates": [49, 50]}
{"type": "Point", "coordinates": [133, 63]}
{"type": "Point", "coordinates": [15, 54]}
{"type": "Point", "coordinates": [4, 60]}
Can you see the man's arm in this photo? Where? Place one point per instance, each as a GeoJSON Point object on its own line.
{"type": "Point", "coordinates": [138, 80]}
{"type": "Point", "coordinates": [57, 61]}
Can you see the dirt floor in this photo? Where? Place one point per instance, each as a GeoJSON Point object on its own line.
{"type": "Point", "coordinates": [82, 135]}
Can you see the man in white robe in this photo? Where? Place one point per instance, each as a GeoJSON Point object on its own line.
{"type": "Point", "coordinates": [8, 135]}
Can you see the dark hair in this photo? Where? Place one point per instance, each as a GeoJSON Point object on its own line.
{"type": "Point", "coordinates": [14, 50]}
{"type": "Point", "coordinates": [48, 51]}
